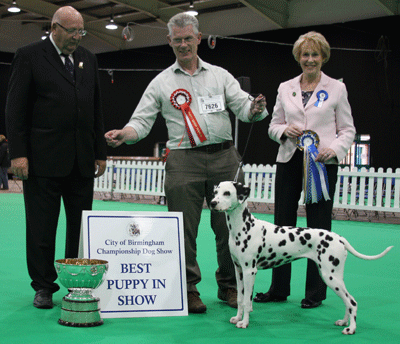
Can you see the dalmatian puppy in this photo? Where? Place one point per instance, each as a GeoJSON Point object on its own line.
{"type": "Point", "coordinates": [256, 244]}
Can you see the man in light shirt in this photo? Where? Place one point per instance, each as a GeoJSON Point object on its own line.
{"type": "Point", "coordinates": [193, 97]}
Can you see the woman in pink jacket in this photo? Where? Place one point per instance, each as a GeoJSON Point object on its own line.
{"type": "Point", "coordinates": [311, 107]}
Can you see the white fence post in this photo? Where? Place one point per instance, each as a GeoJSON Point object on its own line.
{"type": "Point", "coordinates": [355, 189]}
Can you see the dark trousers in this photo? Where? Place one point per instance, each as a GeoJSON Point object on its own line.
{"type": "Point", "coordinates": [3, 177]}
{"type": "Point", "coordinates": [190, 178]}
{"type": "Point", "coordinates": [288, 187]}
{"type": "Point", "coordinates": [42, 208]}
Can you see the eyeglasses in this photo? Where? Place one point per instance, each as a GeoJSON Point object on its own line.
{"type": "Point", "coordinates": [180, 41]}
{"type": "Point", "coordinates": [73, 32]}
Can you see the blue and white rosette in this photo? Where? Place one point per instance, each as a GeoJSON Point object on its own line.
{"type": "Point", "coordinates": [315, 178]}
{"type": "Point", "coordinates": [321, 96]}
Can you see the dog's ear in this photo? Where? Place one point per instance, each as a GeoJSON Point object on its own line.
{"type": "Point", "coordinates": [242, 192]}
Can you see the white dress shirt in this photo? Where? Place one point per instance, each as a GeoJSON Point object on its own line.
{"type": "Point", "coordinates": [208, 80]}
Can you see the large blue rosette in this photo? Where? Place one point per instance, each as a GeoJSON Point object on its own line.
{"type": "Point", "coordinates": [315, 182]}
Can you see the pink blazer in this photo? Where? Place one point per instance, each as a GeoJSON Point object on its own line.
{"type": "Point", "coordinates": [332, 122]}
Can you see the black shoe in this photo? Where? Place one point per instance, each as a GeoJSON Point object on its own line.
{"type": "Point", "coordinates": [267, 297]}
{"type": "Point", "coordinates": [43, 299]}
{"type": "Point", "coordinates": [310, 304]}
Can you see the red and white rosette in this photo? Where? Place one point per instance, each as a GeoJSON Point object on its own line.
{"type": "Point", "coordinates": [181, 100]}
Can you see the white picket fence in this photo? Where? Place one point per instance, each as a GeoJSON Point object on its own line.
{"type": "Point", "coordinates": [355, 190]}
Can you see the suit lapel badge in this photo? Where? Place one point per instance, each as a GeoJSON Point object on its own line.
{"type": "Point", "coordinates": [321, 96]}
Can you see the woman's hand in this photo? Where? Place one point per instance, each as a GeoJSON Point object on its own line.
{"type": "Point", "coordinates": [325, 154]}
{"type": "Point", "coordinates": [292, 131]}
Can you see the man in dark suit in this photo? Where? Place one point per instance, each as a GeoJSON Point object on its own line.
{"type": "Point", "coordinates": [55, 129]}
{"type": "Point", "coordinates": [4, 162]}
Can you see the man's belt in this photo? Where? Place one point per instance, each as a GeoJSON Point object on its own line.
{"type": "Point", "coordinates": [214, 147]}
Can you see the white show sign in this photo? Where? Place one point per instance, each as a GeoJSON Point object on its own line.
{"type": "Point", "coordinates": [145, 251]}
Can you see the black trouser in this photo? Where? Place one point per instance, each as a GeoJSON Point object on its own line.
{"type": "Point", "coordinates": [288, 187]}
{"type": "Point", "coordinates": [42, 208]}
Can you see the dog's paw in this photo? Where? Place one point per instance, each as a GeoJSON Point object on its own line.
{"type": "Point", "coordinates": [235, 320]}
{"type": "Point", "coordinates": [348, 330]}
{"type": "Point", "coordinates": [341, 323]}
{"type": "Point", "coordinates": [242, 324]}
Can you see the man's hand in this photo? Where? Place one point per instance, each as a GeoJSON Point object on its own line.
{"type": "Point", "coordinates": [257, 107]}
{"type": "Point", "coordinates": [115, 138]}
{"type": "Point", "coordinates": [19, 166]}
{"type": "Point", "coordinates": [99, 167]}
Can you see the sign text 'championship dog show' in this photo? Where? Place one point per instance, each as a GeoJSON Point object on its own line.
{"type": "Point", "coordinates": [146, 256]}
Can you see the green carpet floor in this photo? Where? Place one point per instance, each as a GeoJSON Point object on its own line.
{"type": "Point", "coordinates": [374, 284]}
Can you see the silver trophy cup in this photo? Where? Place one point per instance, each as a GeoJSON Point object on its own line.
{"type": "Point", "coordinates": [79, 307]}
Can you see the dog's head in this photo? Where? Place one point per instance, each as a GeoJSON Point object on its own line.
{"type": "Point", "coordinates": [228, 196]}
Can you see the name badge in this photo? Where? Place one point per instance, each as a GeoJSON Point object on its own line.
{"type": "Point", "coordinates": [211, 104]}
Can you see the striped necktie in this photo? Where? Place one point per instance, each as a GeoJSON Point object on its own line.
{"type": "Point", "coordinates": [69, 66]}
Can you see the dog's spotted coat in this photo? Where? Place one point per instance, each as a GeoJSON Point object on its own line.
{"type": "Point", "coordinates": [256, 244]}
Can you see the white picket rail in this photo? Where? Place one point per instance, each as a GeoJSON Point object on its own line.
{"type": "Point", "coordinates": [132, 177]}
{"type": "Point", "coordinates": [357, 189]}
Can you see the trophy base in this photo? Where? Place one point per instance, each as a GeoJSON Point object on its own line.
{"type": "Point", "coordinates": [76, 313]}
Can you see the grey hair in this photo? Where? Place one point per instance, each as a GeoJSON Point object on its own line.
{"type": "Point", "coordinates": [317, 39]}
{"type": "Point", "coordinates": [182, 20]}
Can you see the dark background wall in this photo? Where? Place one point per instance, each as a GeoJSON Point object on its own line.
{"type": "Point", "coordinates": [372, 79]}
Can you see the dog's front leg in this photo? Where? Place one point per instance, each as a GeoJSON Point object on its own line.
{"type": "Point", "coordinates": [249, 276]}
{"type": "Point", "coordinates": [240, 291]}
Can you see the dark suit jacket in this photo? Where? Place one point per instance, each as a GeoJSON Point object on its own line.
{"type": "Point", "coordinates": [50, 119]}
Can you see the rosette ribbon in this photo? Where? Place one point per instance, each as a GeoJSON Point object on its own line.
{"type": "Point", "coordinates": [315, 182]}
{"type": "Point", "coordinates": [321, 96]}
{"type": "Point", "coordinates": [315, 177]}
{"type": "Point", "coordinates": [181, 100]}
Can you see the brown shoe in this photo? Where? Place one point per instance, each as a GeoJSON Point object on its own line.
{"type": "Point", "coordinates": [229, 295]}
{"type": "Point", "coordinates": [195, 305]}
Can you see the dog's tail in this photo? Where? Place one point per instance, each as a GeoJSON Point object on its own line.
{"type": "Point", "coordinates": [352, 250]}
